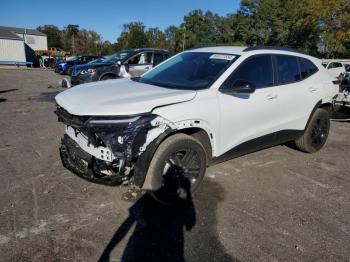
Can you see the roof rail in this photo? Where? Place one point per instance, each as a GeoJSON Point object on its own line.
{"type": "Point", "coordinates": [280, 48]}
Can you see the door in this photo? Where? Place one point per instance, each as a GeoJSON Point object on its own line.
{"type": "Point", "coordinates": [298, 90]}
{"type": "Point", "coordinates": [248, 116]}
{"type": "Point", "coordinates": [140, 64]}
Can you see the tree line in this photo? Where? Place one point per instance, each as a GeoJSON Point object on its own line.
{"type": "Point", "coordinates": [318, 27]}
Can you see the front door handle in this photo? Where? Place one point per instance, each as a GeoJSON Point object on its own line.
{"type": "Point", "coordinates": [271, 96]}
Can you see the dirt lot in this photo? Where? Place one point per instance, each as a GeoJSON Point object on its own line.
{"type": "Point", "coordinates": [274, 205]}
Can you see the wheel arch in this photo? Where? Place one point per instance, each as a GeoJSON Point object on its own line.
{"type": "Point", "coordinates": [327, 106]}
{"type": "Point", "coordinates": [107, 74]}
{"type": "Point", "coordinates": [142, 163]}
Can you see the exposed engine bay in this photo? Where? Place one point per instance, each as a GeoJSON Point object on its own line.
{"type": "Point", "coordinates": [107, 149]}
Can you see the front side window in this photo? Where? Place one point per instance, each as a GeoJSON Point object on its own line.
{"type": "Point", "coordinates": [255, 72]}
{"type": "Point", "coordinates": [141, 59]}
{"type": "Point", "coordinates": [307, 68]}
{"type": "Point", "coordinates": [189, 70]}
{"type": "Point", "coordinates": [287, 69]}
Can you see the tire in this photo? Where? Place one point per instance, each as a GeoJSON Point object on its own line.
{"type": "Point", "coordinates": [107, 77]}
{"type": "Point", "coordinates": [177, 168]}
{"type": "Point", "coordinates": [316, 132]}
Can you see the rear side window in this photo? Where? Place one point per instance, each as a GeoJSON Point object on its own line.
{"type": "Point", "coordinates": [307, 68]}
{"type": "Point", "coordinates": [255, 72]}
{"type": "Point", "coordinates": [287, 69]}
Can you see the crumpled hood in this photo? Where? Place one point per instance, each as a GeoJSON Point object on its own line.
{"type": "Point", "coordinates": [119, 97]}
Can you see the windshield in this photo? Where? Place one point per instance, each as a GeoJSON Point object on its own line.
{"type": "Point", "coordinates": [98, 60]}
{"type": "Point", "coordinates": [117, 56]}
{"type": "Point", "coordinates": [189, 70]}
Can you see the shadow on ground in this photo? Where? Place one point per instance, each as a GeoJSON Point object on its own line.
{"type": "Point", "coordinates": [160, 230]}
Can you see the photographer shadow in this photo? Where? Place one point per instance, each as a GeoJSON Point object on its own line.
{"type": "Point", "coordinates": [159, 232]}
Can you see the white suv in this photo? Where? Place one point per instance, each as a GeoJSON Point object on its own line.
{"type": "Point", "coordinates": [200, 107]}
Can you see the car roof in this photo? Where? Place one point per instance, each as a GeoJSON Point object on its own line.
{"type": "Point", "coordinates": [234, 50]}
{"type": "Point", "coordinates": [144, 49]}
{"type": "Point", "coordinates": [240, 50]}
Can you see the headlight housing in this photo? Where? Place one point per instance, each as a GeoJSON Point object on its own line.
{"type": "Point", "coordinates": [88, 71]}
{"type": "Point", "coordinates": [110, 121]}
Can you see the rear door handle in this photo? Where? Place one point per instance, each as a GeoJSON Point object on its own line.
{"type": "Point", "coordinates": [271, 96]}
{"type": "Point", "coordinates": [313, 89]}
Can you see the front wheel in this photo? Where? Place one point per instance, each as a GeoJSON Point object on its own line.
{"type": "Point", "coordinates": [316, 132]}
{"type": "Point", "coordinates": [177, 168]}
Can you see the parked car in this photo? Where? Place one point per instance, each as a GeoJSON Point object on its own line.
{"type": "Point", "coordinates": [126, 63]}
{"type": "Point", "coordinates": [198, 108]}
{"type": "Point", "coordinates": [65, 67]}
{"type": "Point", "coordinates": [342, 100]}
{"type": "Point", "coordinates": [334, 68]}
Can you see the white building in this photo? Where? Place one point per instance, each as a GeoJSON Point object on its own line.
{"type": "Point", "coordinates": [17, 45]}
{"type": "Point", "coordinates": [11, 48]}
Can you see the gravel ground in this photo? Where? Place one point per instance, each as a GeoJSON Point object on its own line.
{"type": "Point", "coordinates": [273, 205]}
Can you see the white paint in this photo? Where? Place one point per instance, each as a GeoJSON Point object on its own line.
{"type": "Point", "coordinates": [35, 42]}
{"type": "Point", "coordinates": [12, 50]}
{"type": "Point", "coordinates": [118, 97]}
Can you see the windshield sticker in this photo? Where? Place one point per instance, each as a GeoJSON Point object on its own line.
{"type": "Point", "coordinates": [222, 56]}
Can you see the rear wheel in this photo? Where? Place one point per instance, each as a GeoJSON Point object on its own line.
{"type": "Point", "coordinates": [177, 167]}
{"type": "Point", "coordinates": [316, 133]}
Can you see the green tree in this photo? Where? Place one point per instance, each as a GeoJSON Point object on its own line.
{"type": "Point", "coordinates": [156, 38]}
{"type": "Point", "coordinates": [174, 36]}
{"type": "Point", "coordinates": [133, 36]}
{"type": "Point", "coordinates": [54, 35]}
{"type": "Point", "coordinates": [333, 24]}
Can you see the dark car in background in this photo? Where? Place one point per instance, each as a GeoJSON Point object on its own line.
{"type": "Point", "coordinates": [64, 68]}
{"type": "Point", "coordinates": [126, 63]}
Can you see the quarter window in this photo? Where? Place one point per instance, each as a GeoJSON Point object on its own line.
{"type": "Point", "coordinates": [255, 72]}
{"type": "Point", "coordinates": [287, 69]}
{"type": "Point", "coordinates": [307, 68]}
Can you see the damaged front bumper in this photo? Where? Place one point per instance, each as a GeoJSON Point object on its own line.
{"type": "Point", "coordinates": [110, 150]}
